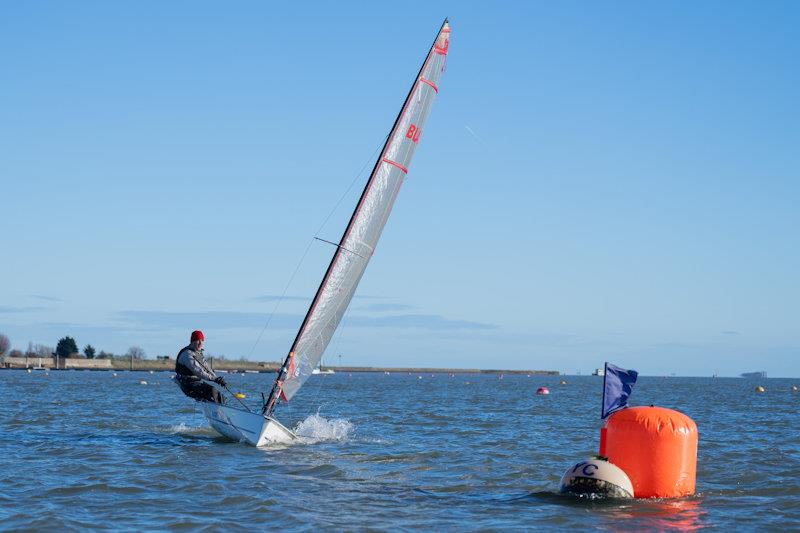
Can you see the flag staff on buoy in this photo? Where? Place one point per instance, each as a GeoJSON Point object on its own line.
{"type": "Point", "coordinates": [598, 476]}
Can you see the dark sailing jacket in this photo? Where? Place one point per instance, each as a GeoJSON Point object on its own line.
{"type": "Point", "coordinates": [191, 366]}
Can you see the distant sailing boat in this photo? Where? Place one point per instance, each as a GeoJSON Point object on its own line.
{"type": "Point", "coordinates": [348, 263]}
{"type": "Point", "coordinates": [319, 370]}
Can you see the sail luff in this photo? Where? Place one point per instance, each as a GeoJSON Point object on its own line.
{"type": "Point", "coordinates": [381, 206]}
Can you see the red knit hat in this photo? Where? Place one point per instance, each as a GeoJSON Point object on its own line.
{"type": "Point", "coordinates": [197, 336]}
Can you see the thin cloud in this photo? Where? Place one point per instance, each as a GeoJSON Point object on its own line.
{"type": "Point", "coordinates": [295, 298]}
{"type": "Point", "coordinates": [276, 297]}
{"type": "Point", "coordinates": [429, 322]}
{"type": "Point", "coordinates": [498, 336]}
{"type": "Point", "coordinates": [68, 328]}
{"type": "Point", "coordinates": [208, 319]}
{"type": "Point", "coordinates": [677, 345]}
{"type": "Point", "coordinates": [10, 310]}
{"type": "Point", "coordinates": [45, 298]}
{"type": "Point", "coordinates": [236, 319]}
{"type": "Point", "coordinates": [385, 307]}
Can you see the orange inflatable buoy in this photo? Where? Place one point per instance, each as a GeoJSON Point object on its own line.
{"type": "Point", "coordinates": [656, 447]}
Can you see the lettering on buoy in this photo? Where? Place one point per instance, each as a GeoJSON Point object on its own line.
{"type": "Point", "coordinates": [596, 477]}
{"type": "Point", "coordinates": [542, 390]}
{"type": "Point", "coordinates": [656, 447]}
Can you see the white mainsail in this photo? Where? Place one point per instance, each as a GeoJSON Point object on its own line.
{"type": "Point", "coordinates": [364, 229]}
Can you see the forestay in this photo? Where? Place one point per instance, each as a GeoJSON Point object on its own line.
{"type": "Point", "coordinates": [364, 229]}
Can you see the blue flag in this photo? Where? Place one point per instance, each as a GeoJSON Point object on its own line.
{"type": "Point", "coordinates": [617, 386]}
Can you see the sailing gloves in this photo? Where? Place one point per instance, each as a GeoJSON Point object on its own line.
{"type": "Point", "coordinates": [220, 381]}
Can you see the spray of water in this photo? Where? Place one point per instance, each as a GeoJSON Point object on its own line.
{"type": "Point", "coordinates": [316, 428]}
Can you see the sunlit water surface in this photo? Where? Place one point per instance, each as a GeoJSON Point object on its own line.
{"type": "Point", "coordinates": [94, 450]}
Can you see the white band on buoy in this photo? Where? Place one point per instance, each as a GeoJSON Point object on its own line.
{"type": "Point", "coordinates": [597, 476]}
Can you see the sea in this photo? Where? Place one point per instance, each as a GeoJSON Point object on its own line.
{"type": "Point", "coordinates": [83, 450]}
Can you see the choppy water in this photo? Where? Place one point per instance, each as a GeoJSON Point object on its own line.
{"type": "Point", "coordinates": [90, 450]}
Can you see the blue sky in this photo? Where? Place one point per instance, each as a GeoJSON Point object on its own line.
{"type": "Point", "coordinates": [596, 182]}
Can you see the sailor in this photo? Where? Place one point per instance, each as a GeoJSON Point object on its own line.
{"type": "Point", "coordinates": [191, 369]}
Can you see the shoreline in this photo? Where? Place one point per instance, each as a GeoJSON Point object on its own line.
{"type": "Point", "coordinates": [168, 365]}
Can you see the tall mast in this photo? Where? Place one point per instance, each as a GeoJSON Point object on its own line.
{"type": "Point", "coordinates": [269, 405]}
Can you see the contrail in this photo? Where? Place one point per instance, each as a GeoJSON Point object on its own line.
{"type": "Point", "coordinates": [475, 135]}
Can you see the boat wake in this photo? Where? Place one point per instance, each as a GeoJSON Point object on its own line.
{"type": "Point", "coordinates": [317, 428]}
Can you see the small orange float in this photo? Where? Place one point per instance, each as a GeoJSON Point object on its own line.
{"type": "Point", "coordinates": [656, 447]}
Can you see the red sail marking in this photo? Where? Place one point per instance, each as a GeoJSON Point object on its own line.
{"type": "Point", "coordinates": [442, 50]}
{"type": "Point", "coordinates": [423, 80]}
{"type": "Point", "coordinates": [289, 374]}
{"type": "Point", "coordinates": [398, 165]}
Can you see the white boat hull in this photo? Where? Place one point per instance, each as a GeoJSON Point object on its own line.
{"type": "Point", "coordinates": [245, 426]}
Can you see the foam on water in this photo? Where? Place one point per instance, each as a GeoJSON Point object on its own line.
{"type": "Point", "coordinates": [183, 429]}
{"type": "Point", "coordinates": [316, 428]}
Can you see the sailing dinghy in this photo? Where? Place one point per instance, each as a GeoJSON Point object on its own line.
{"type": "Point", "coordinates": [347, 264]}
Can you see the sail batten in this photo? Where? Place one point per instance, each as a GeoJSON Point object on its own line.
{"type": "Point", "coordinates": [361, 235]}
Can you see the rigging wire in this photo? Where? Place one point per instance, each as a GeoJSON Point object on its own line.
{"type": "Point", "coordinates": [280, 299]}
{"type": "Point", "coordinates": [311, 242]}
{"type": "Point", "coordinates": [341, 330]}
{"type": "Point", "coordinates": [350, 187]}
{"type": "Point", "coordinates": [339, 334]}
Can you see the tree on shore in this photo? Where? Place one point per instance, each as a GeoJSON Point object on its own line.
{"type": "Point", "coordinates": [89, 351]}
{"type": "Point", "coordinates": [39, 350]}
{"type": "Point", "coordinates": [66, 347]}
{"type": "Point", "coordinates": [5, 345]}
{"type": "Point", "coordinates": [136, 352]}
